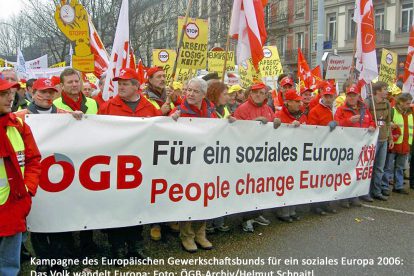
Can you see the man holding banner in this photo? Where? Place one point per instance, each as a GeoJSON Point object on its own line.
{"type": "Point", "coordinates": [128, 102]}
{"type": "Point", "coordinates": [72, 98]}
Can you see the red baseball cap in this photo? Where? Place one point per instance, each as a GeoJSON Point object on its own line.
{"type": "Point", "coordinates": [55, 80]}
{"type": "Point", "coordinates": [305, 89]}
{"type": "Point", "coordinates": [126, 74]}
{"type": "Point", "coordinates": [258, 86]}
{"type": "Point", "coordinates": [6, 85]}
{"type": "Point", "coordinates": [43, 84]}
{"type": "Point", "coordinates": [353, 89]}
{"type": "Point", "coordinates": [285, 81]}
{"type": "Point", "coordinates": [328, 89]}
{"type": "Point", "coordinates": [292, 95]}
{"type": "Point", "coordinates": [151, 71]}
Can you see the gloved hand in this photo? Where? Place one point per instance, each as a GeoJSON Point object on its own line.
{"type": "Point", "coordinates": [332, 125]}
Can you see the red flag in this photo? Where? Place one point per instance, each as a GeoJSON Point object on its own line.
{"type": "Point", "coordinates": [248, 26]}
{"type": "Point", "coordinates": [408, 86]}
{"type": "Point", "coordinates": [100, 55]}
{"type": "Point", "coordinates": [141, 72]}
{"type": "Point", "coordinates": [317, 74]}
{"type": "Point", "coordinates": [304, 74]}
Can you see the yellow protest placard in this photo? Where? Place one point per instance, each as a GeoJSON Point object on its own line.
{"type": "Point", "coordinates": [216, 61]}
{"type": "Point", "coordinates": [91, 78]}
{"type": "Point", "coordinates": [193, 52]}
{"type": "Point", "coordinates": [72, 19]}
{"type": "Point", "coordinates": [59, 64]}
{"type": "Point", "coordinates": [165, 58]}
{"type": "Point", "coordinates": [2, 63]}
{"type": "Point", "coordinates": [388, 68]}
{"type": "Point", "coordinates": [270, 66]}
{"type": "Point", "coordinates": [248, 74]}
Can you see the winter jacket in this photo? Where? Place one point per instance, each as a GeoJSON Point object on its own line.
{"type": "Point", "coordinates": [250, 111]}
{"type": "Point", "coordinates": [116, 106]}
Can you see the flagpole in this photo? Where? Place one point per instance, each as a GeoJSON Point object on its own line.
{"type": "Point", "coordinates": [354, 51]}
{"type": "Point", "coordinates": [180, 42]}
{"type": "Point", "coordinates": [227, 47]}
{"type": "Point", "coordinates": [373, 103]}
{"type": "Point", "coordinates": [225, 56]}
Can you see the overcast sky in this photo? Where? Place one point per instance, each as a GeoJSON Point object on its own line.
{"type": "Point", "coordinates": [9, 7]}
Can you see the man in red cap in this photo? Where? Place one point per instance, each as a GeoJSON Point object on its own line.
{"type": "Point", "coordinates": [285, 84]}
{"type": "Point", "coordinates": [19, 178]}
{"type": "Point", "coordinates": [72, 98]}
{"type": "Point", "coordinates": [354, 113]}
{"type": "Point", "coordinates": [290, 114]}
{"type": "Point", "coordinates": [255, 108]}
{"type": "Point", "coordinates": [129, 102]}
{"type": "Point", "coordinates": [291, 111]}
{"type": "Point", "coordinates": [157, 92]}
{"type": "Point", "coordinates": [44, 92]}
{"type": "Point", "coordinates": [307, 97]}
{"type": "Point", "coordinates": [322, 113]}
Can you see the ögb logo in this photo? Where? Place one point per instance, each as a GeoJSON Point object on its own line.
{"type": "Point", "coordinates": [267, 53]}
{"type": "Point", "coordinates": [127, 172]}
{"type": "Point", "coordinates": [163, 56]}
{"type": "Point", "coordinates": [192, 30]}
{"type": "Point", "coordinates": [365, 162]}
{"type": "Point", "coordinates": [389, 59]}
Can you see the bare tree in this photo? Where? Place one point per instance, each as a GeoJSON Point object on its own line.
{"type": "Point", "coordinates": [153, 24]}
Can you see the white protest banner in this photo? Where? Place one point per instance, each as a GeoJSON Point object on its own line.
{"type": "Point", "coordinates": [38, 63]}
{"type": "Point", "coordinates": [338, 68]}
{"type": "Point", "coordinates": [110, 171]}
{"type": "Point", "coordinates": [47, 72]}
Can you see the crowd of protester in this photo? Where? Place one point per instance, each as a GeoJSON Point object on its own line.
{"type": "Point", "coordinates": [386, 108]}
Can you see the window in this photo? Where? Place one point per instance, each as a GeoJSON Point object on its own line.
{"type": "Point", "coordinates": [379, 19]}
{"type": "Point", "coordinates": [300, 40]}
{"type": "Point", "coordinates": [406, 17]}
{"type": "Point", "coordinates": [300, 8]}
{"type": "Point", "coordinates": [351, 25]}
{"type": "Point", "coordinates": [331, 27]}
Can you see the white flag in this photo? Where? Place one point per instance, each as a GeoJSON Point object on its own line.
{"type": "Point", "coordinates": [98, 49]}
{"type": "Point", "coordinates": [365, 54]}
{"type": "Point", "coordinates": [120, 53]}
{"type": "Point", "coordinates": [20, 66]}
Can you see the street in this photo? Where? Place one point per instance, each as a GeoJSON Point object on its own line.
{"type": "Point", "coordinates": [375, 239]}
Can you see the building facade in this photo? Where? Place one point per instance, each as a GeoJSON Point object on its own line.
{"type": "Point", "coordinates": [292, 26]}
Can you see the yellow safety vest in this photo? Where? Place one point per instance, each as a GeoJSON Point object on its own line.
{"type": "Point", "coordinates": [399, 120]}
{"type": "Point", "coordinates": [90, 104]}
{"type": "Point", "coordinates": [18, 145]}
{"type": "Point", "coordinates": [226, 113]}
{"type": "Point", "coordinates": [157, 106]}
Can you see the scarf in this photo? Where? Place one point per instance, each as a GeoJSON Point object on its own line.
{"type": "Point", "coordinates": [34, 109]}
{"type": "Point", "coordinates": [75, 106]}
